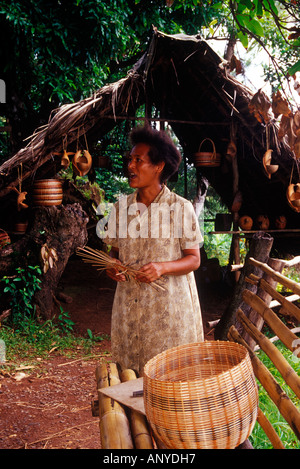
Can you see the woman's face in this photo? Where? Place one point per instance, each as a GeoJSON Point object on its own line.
{"type": "Point", "coordinates": [142, 172]}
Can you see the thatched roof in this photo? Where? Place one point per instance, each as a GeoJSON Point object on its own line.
{"type": "Point", "coordinates": [191, 87]}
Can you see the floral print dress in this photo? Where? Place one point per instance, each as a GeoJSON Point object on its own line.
{"type": "Point", "coordinates": [147, 320]}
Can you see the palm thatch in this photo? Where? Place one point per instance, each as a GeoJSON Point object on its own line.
{"type": "Point", "coordinates": [68, 123]}
{"type": "Point", "coordinates": [192, 89]}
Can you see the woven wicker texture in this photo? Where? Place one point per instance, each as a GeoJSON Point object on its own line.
{"type": "Point", "coordinates": [201, 395]}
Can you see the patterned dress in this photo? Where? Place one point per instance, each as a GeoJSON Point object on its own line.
{"type": "Point", "coordinates": [147, 320]}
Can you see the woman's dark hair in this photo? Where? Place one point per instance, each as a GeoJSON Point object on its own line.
{"type": "Point", "coordinates": [161, 146]}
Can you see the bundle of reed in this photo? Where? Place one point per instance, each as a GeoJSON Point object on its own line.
{"type": "Point", "coordinates": [102, 261]}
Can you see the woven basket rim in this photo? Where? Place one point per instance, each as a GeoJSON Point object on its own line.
{"type": "Point", "coordinates": [233, 345]}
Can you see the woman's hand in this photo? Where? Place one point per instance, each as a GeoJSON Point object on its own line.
{"type": "Point", "coordinates": [114, 274]}
{"type": "Point", "coordinates": [154, 270]}
{"type": "Point", "coordinates": [150, 272]}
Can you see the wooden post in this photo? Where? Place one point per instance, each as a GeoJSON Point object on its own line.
{"type": "Point", "coordinates": [269, 430]}
{"type": "Point", "coordinates": [260, 248]}
{"type": "Point", "coordinates": [114, 425]}
{"type": "Point", "coordinates": [254, 317]}
{"type": "Point", "coordinates": [138, 422]}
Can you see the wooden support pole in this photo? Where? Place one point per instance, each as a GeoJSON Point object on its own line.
{"type": "Point", "coordinates": [285, 406]}
{"type": "Point", "coordinates": [287, 372]}
{"type": "Point", "coordinates": [260, 248]}
{"type": "Point", "coordinates": [257, 319]}
{"type": "Point", "coordinates": [288, 283]}
{"type": "Point", "coordinates": [114, 425]}
{"type": "Point", "coordinates": [138, 422]}
{"type": "Point", "coordinates": [283, 332]}
{"type": "Point", "coordinates": [269, 430]}
{"type": "Point", "coordinates": [288, 307]}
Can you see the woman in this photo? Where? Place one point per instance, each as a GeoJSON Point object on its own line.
{"type": "Point", "coordinates": [157, 232]}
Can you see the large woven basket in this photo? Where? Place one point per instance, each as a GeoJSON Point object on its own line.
{"type": "Point", "coordinates": [201, 395]}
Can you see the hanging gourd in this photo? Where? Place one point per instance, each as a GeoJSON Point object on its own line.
{"type": "Point", "coordinates": [21, 194]}
{"type": "Point", "coordinates": [293, 196]}
{"type": "Point", "coordinates": [280, 222]}
{"type": "Point", "coordinates": [268, 167]}
{"type": "Point", "coordinates": [246, 223]}
{"type": "Point", "coordinates": [65, 160]}
{"type": "Point", "coordinates": [82, 162]}
{"type": "Point", "coordinates": [262, 222]}
{"type": "Point", "coordinates": [231, 150]}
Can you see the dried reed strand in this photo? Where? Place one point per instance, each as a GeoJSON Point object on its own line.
{"type": "Point", "coordinates": [102, 261]}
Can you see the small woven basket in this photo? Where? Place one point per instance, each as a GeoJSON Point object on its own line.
{"type": "Point", "coordinates": [201, 396]}
{"type": "Point", "coordinates": [207, 158]}
{"type": "Point", "coordinates": [4, 238]}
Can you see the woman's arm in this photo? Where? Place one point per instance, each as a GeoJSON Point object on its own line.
{"type": "Point", "coordinates": [188, 263]}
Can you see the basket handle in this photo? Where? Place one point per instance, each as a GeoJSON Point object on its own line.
{"type": "Point", "coordinates": [214, 153]}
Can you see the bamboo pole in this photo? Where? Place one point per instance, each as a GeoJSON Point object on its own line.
{"type": "Point", "coordinates": [269, 430]}
{"type": "Point", "coordinates": [114, 425]}
{"type": "Point", "coordinates": [286, 302]}
{"type": "Point", "coordinates": [285, 406]}
{"type": "Point", "coordinates": [138, 422]}
{"type": "Point", "coordinates": [288, 283]}
{"type": "Point", "coordinates": [289, 339]}
{"type": "Point", "coordinates": [286, 371]}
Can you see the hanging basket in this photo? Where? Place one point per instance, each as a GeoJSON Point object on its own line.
{"type": "Point", "coordinates": [102, 161]}
{"type": "Point", "coordinates": [201, 395]}
{"type": "Point", "coordinates": [47, 192]}
{"type": "Point", "coordinates": [223, 222]}
{"type": "Point", "coordinates": [21, 227]}
{"type": "Point", "coordinates": [207, 158]}
{"type": "Point", "coordinates": [4, 238]}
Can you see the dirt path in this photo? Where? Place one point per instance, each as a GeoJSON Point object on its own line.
{"type": "Point", "coordinates": [51, 406]}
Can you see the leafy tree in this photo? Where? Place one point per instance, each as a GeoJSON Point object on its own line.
{"type": "Point", "coordinates": [60, 51]}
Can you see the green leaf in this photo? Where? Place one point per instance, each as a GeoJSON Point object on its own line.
{"type": "Point", "coordinates": [294, 68]}
{"type": "Point", "coordinates": [243, 38]}
{"type": "Point", "coordinates": [258, 8]}
{"type": "Point", "coordinates": [270, 4]}
{"type": "Point", "coordinates": [218, 6]}
{"type": "Point", "coordinates": [255, 27]}
{"type": "Point", "coordinates": [247, 3]}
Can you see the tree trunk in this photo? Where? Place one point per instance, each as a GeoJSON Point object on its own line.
{"type": "Point", "coordinates": [53, 235]}
{"type": "Point", "coordinates": [260, 248]}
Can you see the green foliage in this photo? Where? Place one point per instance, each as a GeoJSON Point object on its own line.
{"type": "Point", "coordinates": [19, 290]}
{"type": "Point", "coordinates": [61, 52]}
{"type": "Point", "coordinates": [74, 47]}
{"type": "Point", "coordinates": [287, 436]}
{"type": "Point", "coordinates": [36, 341]}
{"type": "Point", "coordinates": [64, 321]}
